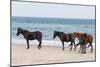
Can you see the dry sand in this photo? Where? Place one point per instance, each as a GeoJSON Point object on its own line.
{"type": "Point", "coordinates": [47, 54]}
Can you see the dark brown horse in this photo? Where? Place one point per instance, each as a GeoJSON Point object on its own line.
{"type": "Point", "coordinates": [88, 39]}
{"type": "Point", "coordinates": [30, 36]}
{"type": "Point", "coordinates": [65, 38]}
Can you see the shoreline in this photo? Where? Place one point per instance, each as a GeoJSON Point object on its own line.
{"type": "Point", "coordinates": [44, 42]}
{"type": "Point", "coordinates": [47, 54]}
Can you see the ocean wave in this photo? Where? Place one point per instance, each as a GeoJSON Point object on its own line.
{"type": "Point", "coordinates": [44, 42]}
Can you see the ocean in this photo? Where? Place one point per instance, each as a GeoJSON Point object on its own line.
{"type": "Point", "coordinates": [48, 25]}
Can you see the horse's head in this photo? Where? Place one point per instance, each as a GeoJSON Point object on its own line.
{"type": "Point", "coordinates": [77, 34]}
{"type": "Point", "coordinates": [55, 34]}
{"type": "Point", "coordinates": [19, 30]}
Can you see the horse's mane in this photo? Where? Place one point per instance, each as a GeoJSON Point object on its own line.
{"type": "Point", "coordinates": [85, 34]}
{"type": "Point", "coordinates": [77, 34]}
{"type": "Point", "coordinates": [59, 32]}
{"type": "Point", "coordinates": [26, 30]}
{"type": "Point", "coordinates": [23, 30]}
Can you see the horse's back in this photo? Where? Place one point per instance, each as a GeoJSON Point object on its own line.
{"type": "Point", "coordinates": [88, 37]}
{"type": "Point", "coordinates": [38, 34]}
{"type": "Point", "coordinates": [69, 37]}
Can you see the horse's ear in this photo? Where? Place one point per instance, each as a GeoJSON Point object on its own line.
{"type": "Point", "coordinates": [19, 28]}
{"type": "Point", "coordinates": [55, 31]}
{"type": "Point", "coordinates": [85, 34]}
{"type": "Point", "coordinates": [74, 32]}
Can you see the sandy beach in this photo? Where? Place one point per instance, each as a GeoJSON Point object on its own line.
{"type": "Point", "coordinates": [47, 54]}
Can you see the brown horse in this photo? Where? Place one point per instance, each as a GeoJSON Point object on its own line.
{"type": "Point", "coordinates": [88, 40]}
{"type": "Point", "coordinates": [65, 38]}
{"type": "Point", "coordinates": [30, 36]}
{"type": "Point", "coordinates": [83, 42]}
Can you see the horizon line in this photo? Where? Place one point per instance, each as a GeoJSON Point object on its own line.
{"type": "Point", "coordinates": [55, 17]}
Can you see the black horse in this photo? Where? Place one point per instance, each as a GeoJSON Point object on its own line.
{"type": "Point", "coordinates": [65, 38]}
{"type": "Point", "coordinates": [30, 36]}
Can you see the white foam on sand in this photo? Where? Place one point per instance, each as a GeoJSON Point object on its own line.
{"type": "Point", "coordinates": [35, 42]}
{"type": "Point", "coordinates": [44, 42]}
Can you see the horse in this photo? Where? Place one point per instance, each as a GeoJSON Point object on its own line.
{"type": "Point", "coordinates": [30, 36]}
{"type": "Point", "coordinates": [64, 38]}
{"type": "Point", "coordinates": [83, 43]}
{"type": "Point", "coordinates": [88, 39]}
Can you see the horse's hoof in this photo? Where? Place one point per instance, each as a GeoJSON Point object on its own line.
{"type": "Point", "coordinates": [84, 52]}
{"type": "Point", "coordinates": [62, 49]}
{"type": "Point", "coordinates": [91, 51]}
{"type": "Point", "coordinates": [81, 52]}
{"type": "Point", "coordinates": [74, 49]}
{"type": "Point", "coordinates": [78, 51]}
{"type": "Point", "coordinates": [71, 49]}
{"type": "Point", "coordinates": [28, 48]}
{"type": "Point", "coordinates": [39, 47]}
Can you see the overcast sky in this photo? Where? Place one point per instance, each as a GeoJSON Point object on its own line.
{"type": "Point", "coordinates": [31, 9]}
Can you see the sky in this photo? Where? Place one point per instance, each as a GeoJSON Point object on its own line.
{"type": "Point", "coordinates": [32, 9]}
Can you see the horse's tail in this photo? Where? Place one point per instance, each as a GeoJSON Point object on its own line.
{"type": "Point", "coordinates": [90, 39]}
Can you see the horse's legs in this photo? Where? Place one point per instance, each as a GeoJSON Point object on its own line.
{"type": "Point", "coordinates": [74, 46]}
{"type": "Point", "coordinates": [71, 46]}
{"type": "Point", "coordinates": [90, 44]}
{"type": "Point", "coordinates": [91, 47]}
{"type": "Point", "coordinates": [63, 45]}
{"type": "Point", "coordinates": [80, 47]}
{"type": "Point", "coordinates": [84, 48]}
{"type": "Point", "coordinates": [27, 44]}
{"type": "Point", "coordinates": [77, 45]}
{"type": "Point", "coordinates": [40, 41]}
{"type": "Point", "coordinates": [39, 46]}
